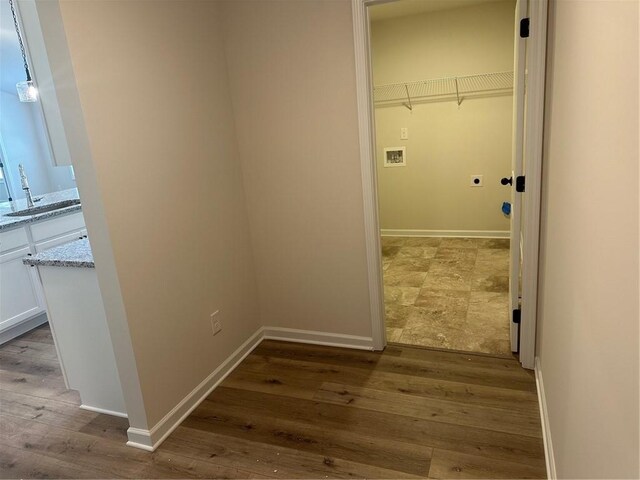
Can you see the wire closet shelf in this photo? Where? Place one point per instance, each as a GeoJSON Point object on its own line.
{"type": "Point", "coordinates": [458, 88]}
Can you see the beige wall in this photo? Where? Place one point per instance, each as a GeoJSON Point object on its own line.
{"type": "Point", "coordinates": [447, 144]}
{"type": "Point", "coordinates": [291, 67]}
{"type": "Point", "coordinates": [153, 85]}
{"type": "Point", "coordinates": [588, 326]}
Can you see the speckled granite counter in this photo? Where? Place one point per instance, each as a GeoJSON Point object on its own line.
{"type": "Point", "coordinates": [73, 254]}
{"type": "Point", "coordinates": [7, 223]}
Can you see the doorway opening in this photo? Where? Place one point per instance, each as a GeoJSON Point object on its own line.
{"type": "Point", "coordinates": [443, 79]}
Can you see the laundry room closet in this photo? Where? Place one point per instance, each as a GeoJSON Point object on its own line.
{"type": "Point", "coordinates": [443, 75]}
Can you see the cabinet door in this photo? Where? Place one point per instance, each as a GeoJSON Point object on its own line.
{"type": "Point", "coordinates": [20, 296]}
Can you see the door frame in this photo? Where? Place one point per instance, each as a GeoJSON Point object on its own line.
{"type": "Point", "coordinates": [534, 121]}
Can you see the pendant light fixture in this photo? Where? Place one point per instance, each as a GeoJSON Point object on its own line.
{"type": "Point", "coordinates": [27, 91]}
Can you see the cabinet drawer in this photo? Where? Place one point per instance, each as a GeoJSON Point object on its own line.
{"type": "Point", "coordinates": [12, 239]}
{"type": "Point", "coordinates": [57, 226]}
{"type": "Point", "coordinates": [54, 242]}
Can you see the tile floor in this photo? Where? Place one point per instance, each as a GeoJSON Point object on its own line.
{"type": "Point", "coordinates": [447, 292]}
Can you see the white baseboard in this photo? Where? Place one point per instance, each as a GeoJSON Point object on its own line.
{"type": "Point", "coordinates": [151, 439]}
{"type": "Point", "coordinates": [318, 338]}
{"type": "Point", "coordinates": [22, 327]}
{"type": "Point", "coordinates": [544, 417]}
{"type": "Point", "coordinates": [103, 410]}
{"type": "Point", "coordinates": [387, 232]}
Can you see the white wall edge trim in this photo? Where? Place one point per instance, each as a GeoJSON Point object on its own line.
{"type": "Point", "coordinates": [103, 410]}
{"type": "Point", "coordinates": [366, 132]}
{"type": "Point", "coordinates": [139, 438]}
{"type": "Point", "coordinates": [388, 232]}
{"type": "Point", "coordinates": [52, 69]}
{"type": "Point", "coordinates": [150, 439]}
{"type": "Point", "coordinates": [544, 417]}
{"type": "Point", "coordinates": [318, 338]}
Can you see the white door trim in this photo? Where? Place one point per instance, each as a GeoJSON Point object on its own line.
{"type": "Point", "coordinates": [534, 125]}
{"type": "Point", "coordinates": [366, 128]}
{"type": "Point", "coordinates": [536, 62]}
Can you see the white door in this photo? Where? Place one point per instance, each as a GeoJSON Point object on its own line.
{"type": "Point", "coordinates": [517, 170]}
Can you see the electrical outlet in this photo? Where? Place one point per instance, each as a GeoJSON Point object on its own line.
{"type": "Point", "coordinates": [476, 181]}
{"type": "Point", "coordinates": [404, 133]}
{"type": "Point", "coordinates": [216, 326]}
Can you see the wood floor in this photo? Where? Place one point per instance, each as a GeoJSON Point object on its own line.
{"type": "Point", "coordinates": [288, 411]}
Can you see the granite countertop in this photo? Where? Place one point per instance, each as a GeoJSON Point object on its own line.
{"type": "Point", "coordinates": [73, 254]}
{"type": "Point", "coordinates": [7, 223]}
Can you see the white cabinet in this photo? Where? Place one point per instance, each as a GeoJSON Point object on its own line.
{"type": "Point", "coordinates": [54, 242]}
{"type": "Point", "coordinates": [21, 294]}
{"type": "Point", "coordinates": [12, 239]}
{"type": "Point", "coordinates": [56, 227]}
{"type": "Point", "coordinates": [59, 230]}
{"type": "Point", "coordinates": [20, 290]}
{"type": "Point", "coordinates": [79, 326]}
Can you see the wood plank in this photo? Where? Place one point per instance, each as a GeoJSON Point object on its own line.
{"type": "Point", "coordinates": [21, 463]}
{"type": "Point", "coordinates": [282, 431]}
{"type": "Point", "coordinates": [40, 334]}
{"type": "Point", "coordinates": [448, 356]}
{"type": "Point", "coordinates": [495, 419]}
{"type": "Point", "coordinates": [49, 412]}
{"type": "Point", "coordinates": [109, 427]}
{"type": "Point", "coordinates": [472, 374]}
{"type": "Point", "coordinates": [285, 376]}
{"type": "Point", "coordinates": [268, 459]}
{"type": "Point", "coordinates": [9, 427]}
{"type": "Point", "coordinates": [33, 366]}
{"type": "Point", "coordinates": [284, 414]}
{"type": "Point", "coordinates": [274, 380]}
{"type": "Point", "coordinates": [428, 356]}
{"type": "Point", "coordinates": [38, 386]}
{"type": "Point", "coordinates": [112, 458]}
{"type": "Point", "coordinates": [80, 449]}
{"type": "Point", "coordinates": [164, 464]}
{"type": "Point", "coordinates": [20, 346]}
{"type": "Point", "coordinates": [63, 415]}
{"type": "Point", "coordinates": [235, 405]}
{"type": "Point", "coordinates": [455, 465]}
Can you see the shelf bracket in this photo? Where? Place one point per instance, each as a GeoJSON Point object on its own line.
{"type": "Point", "coordinates": [408, 104]}
{"type": "Point", "coordinates": [459, 100]}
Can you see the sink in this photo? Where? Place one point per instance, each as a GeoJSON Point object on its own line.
{"type": "Point", "coordinates": [44, 208]}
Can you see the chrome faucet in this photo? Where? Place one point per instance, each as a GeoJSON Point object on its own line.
{"type": "Point", "coordinates": [25, 186]}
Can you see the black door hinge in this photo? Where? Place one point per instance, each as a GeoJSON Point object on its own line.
{"type": "Point", "coordinates": [524, 28]}
{"type": "Point", "coordinates": [520, 184]}
{"type": "Point", "coordinates": [516, 316]}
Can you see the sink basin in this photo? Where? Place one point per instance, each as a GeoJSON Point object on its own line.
{"type": "Point", "coordinates": [44, 208]}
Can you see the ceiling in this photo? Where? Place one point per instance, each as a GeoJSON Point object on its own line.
{"type": "Point", "coordinates": [11, 69]}
{"type": "Point", "coordinates": [403, 8]}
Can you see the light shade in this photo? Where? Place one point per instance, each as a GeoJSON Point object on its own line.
{"type": "Point", "coordinates": [27, 91]}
